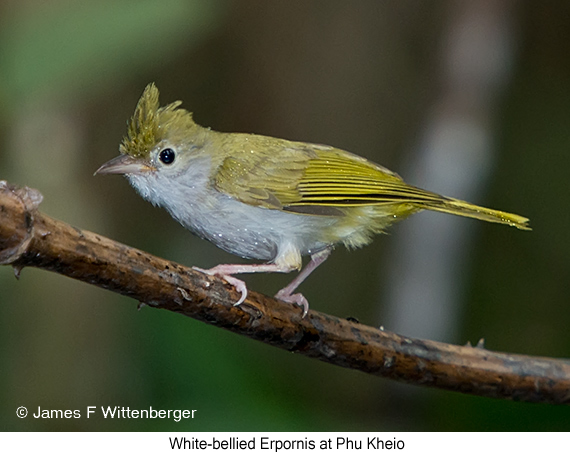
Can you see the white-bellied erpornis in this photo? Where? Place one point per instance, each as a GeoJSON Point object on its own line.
{"type": "Point", "coordinates": [268, 198]}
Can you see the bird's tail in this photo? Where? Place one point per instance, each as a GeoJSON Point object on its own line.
{"type": "Point", "coordinates": [465, 209]}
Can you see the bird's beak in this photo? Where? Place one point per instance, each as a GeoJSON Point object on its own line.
{"type": "Point", "coordinates": [124, 164]}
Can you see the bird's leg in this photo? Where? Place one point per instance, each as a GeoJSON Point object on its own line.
{"type": "Point", "coordinates": [225, 271]}
{"type": "Point", "coordinates": [286, 294]}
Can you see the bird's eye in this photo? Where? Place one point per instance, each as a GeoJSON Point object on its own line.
{"type": "Point", "coordinates": [166, 156]}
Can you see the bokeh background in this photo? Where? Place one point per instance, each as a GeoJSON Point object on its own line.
{"type": "Point", "coordinates": [471, 99]}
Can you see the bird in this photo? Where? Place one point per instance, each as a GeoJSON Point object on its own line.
{"type": "Point", "coordinates": [265, 198]}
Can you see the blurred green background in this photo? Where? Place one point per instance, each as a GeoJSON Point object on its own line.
{"type": "Point", "coordinates": [365, 76]}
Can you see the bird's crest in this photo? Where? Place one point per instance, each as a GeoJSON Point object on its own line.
{"type": "Point", "coordinates": [151, 124]}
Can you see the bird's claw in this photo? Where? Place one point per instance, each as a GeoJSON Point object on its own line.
{"type": "Point", "coordinates": [295, 298]}
{"type": "Point", "coordinates": [237, 284]}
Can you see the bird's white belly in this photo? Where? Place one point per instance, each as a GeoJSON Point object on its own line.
{"type": "Point", "coordinates": [254, 232]}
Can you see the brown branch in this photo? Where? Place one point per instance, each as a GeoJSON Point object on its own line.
{"type": "Point", "coordinates": [30, 238]}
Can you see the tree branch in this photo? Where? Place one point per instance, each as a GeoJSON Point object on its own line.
{"type": "Point", "coordinates": [30, 238]}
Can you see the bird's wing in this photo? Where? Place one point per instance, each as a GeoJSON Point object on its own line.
{"type": "Point", "coordinates": [268, 179]}
{"type": "Point", "coordinates": [311, 179]}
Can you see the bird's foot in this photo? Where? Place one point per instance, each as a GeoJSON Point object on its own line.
{"type": "Point", "coordinates": [286, 294]}
{"type": "Point", "coordinates": [294, 298]}
{"type": "Point", "coordinates": [238, 284]}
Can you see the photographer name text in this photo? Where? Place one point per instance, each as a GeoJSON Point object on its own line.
{"type": "Point", "coordinates": [109, 412]}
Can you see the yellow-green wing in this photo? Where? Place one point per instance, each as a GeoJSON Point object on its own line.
{"type": "Point", "coordinates": [321, 180]}
{"type": "Point", "coordinates": [338, 178]}
{"type": "Point", "coordinates": [263, 171]}
{"type": "Point", "coordinates": [306, 178]}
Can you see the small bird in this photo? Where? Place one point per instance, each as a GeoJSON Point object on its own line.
{"type": "Point", "coordinates": [268, 198]}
